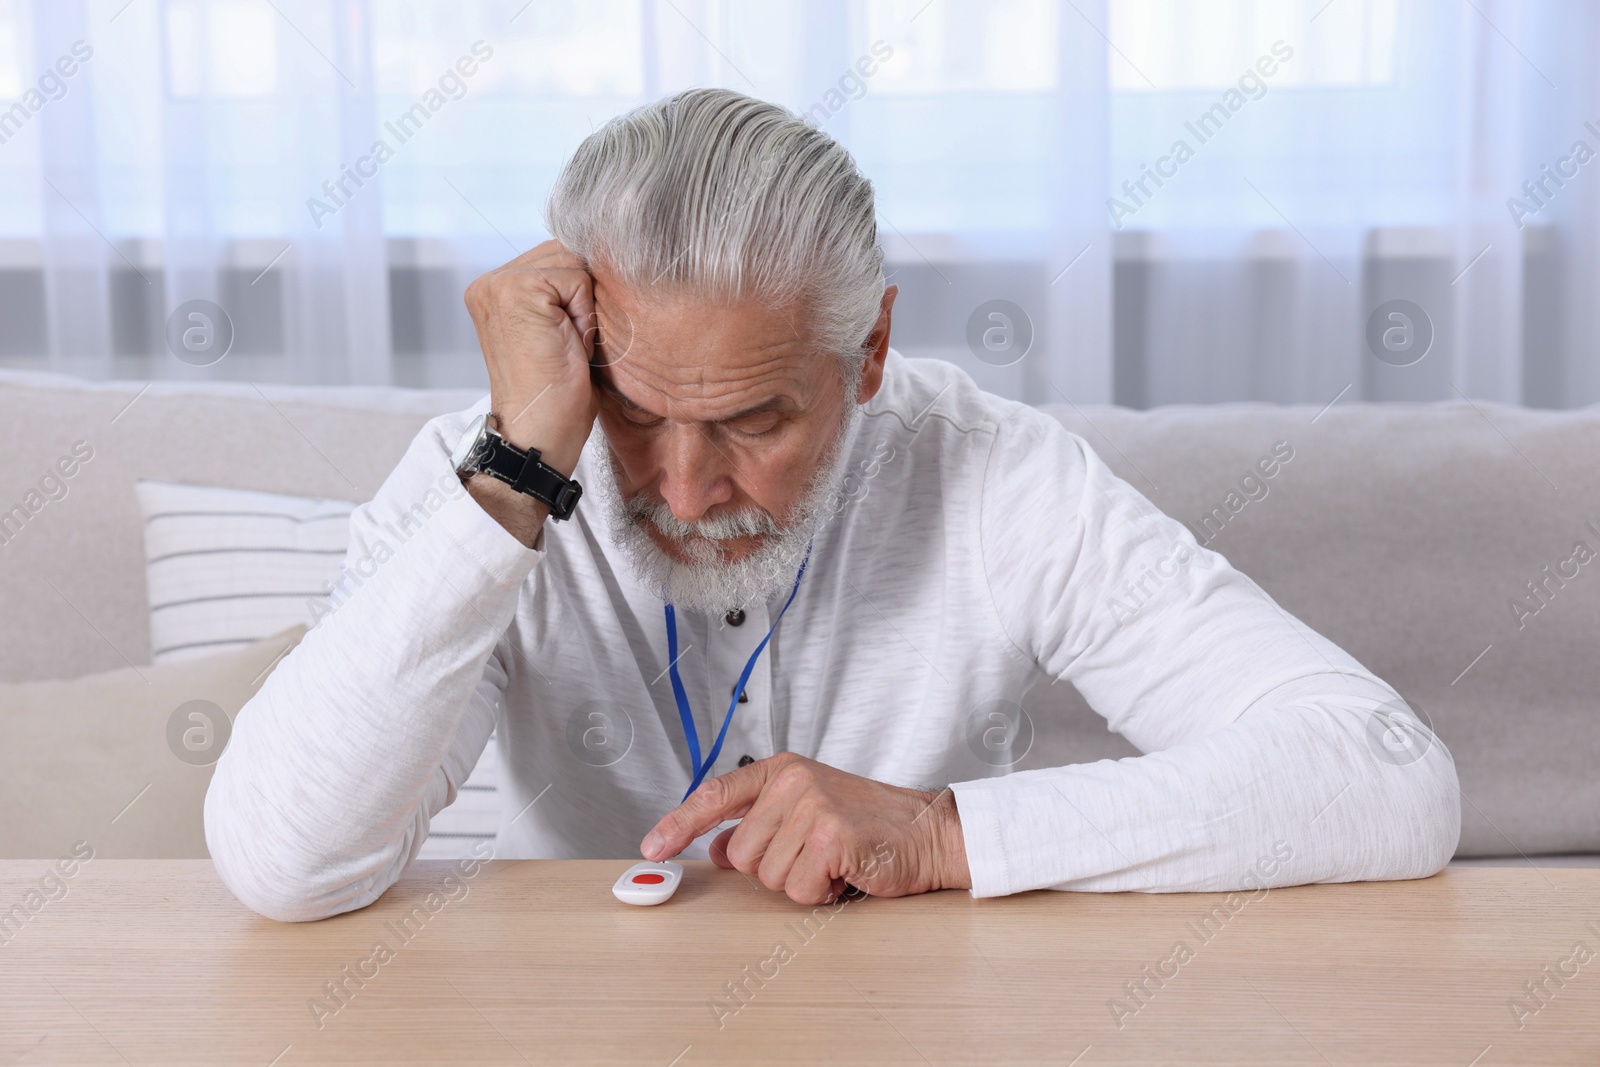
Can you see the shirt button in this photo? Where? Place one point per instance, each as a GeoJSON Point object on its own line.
{"type": "Point", "coordinates": [746, 760]}
{"type": "Point", "coordinates": [744, 698]}
{"type": "Point", "coordinates": [734, 617]}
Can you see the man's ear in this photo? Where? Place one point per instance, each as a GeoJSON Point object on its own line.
{"type": "Point", "coordinates": [877, 348]}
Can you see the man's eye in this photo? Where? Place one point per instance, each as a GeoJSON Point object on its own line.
{"type": "Point", "coordinates": [640, 418]}
{"type": "Point", "coordinates": [759, 426]}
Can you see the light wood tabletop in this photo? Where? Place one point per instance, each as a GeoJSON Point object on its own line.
{"type": "Point", "coordinates": [154, 962]}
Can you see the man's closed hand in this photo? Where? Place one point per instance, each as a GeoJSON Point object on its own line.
{"type": "Point", "coordinates": [807, 829]}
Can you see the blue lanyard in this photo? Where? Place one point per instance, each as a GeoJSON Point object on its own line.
{"type": "Point", "coordinates": [682, 698]}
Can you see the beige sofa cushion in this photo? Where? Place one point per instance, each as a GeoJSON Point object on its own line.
{"type": "Point", "coordinates": [98, 759]}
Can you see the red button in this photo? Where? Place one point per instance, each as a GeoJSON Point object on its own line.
{"type": "Point", "coordinates": [649, 879]}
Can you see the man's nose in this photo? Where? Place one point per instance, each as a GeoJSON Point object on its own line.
{"type": "Point", "coordinates": [694, 473]}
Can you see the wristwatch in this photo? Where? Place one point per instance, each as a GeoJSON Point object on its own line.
{"type": "Point", "coordinates": [482, 449]}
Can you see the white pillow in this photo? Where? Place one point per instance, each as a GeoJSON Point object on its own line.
{"type": "Point", "coordinates": [227, 567]}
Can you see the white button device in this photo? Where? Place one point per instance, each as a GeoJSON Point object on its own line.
{"type": "Point", "coordinates": [649, 883]}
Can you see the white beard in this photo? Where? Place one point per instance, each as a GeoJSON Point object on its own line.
{"type": "Point", "coordinates": [707, 585]}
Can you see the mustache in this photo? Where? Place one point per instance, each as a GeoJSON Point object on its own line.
{"type": "Point", "coordinates": [748, 522]}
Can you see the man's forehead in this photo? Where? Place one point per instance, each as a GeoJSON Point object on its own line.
{"type": "Point", "coordinates": [713, 385]}
{"type": "Point", "coordinates": [679, 346]}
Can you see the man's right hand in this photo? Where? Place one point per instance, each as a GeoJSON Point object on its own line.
{"type": "Point", "coordinates": [536, 325]}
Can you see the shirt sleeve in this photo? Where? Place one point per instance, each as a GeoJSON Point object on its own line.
{"type": "Point", "coordinates": [1271, 756]}
{"type": "Point", "coordinates": [371, 725]}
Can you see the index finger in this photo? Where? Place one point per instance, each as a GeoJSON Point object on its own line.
{"type": "Point", "coordinates": [728, 796]}
{"type": "Point", "coordinates": [559, 257]}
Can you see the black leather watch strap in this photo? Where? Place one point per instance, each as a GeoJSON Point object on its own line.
{"type": "Point", "coordinates": [527, 473]}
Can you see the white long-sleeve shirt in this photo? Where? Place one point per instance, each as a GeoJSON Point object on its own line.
{"type": "Point", "coordinates": [979, 542]}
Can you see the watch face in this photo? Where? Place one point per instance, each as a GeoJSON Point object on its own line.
{"type": "Point", "coordinates": [468, 445]}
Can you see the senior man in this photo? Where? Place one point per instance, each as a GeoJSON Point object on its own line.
{"type": "Point", "coordinates": [796, 571]}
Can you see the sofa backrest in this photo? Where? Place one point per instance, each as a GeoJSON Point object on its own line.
{"type": "Point", "coordinates": [72, 574]}
{"type": "Point", "coordinates": [1406, 533]}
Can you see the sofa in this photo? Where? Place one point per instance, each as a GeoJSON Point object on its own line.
{"type": "Point", "coordinates": [1450, 547]}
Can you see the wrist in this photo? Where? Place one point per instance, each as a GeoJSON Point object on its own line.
{"type": "Point", "coordinates": [522, 516]}
{"type": "Point", "coordinates": [949, 843]}
{"type": "Point", "coordinates": [553, 425]}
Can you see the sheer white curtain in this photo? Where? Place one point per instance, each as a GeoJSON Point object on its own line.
{"type": "Point", "coordinates": [1374, 164]}
{"type": "Point", "coordinates": [172, 165]}
{"type": "Point", "coordinates": [1343, 160]}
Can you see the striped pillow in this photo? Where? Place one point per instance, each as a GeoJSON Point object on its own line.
{"type": "Point", "coordinates": [227, 567]}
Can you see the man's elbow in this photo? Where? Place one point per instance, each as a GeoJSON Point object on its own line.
{"type": "Point", "coordinates": [1419, 808]}
{"type": "Point", "coordinates": [280, 880]}
{"type": "Point", "coordinates": [283, 899]}
{"type": "Point", "coordinates": [1444, 803]}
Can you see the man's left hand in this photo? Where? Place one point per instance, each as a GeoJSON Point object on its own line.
{"type": "Point", "coordinates": [808, 829]}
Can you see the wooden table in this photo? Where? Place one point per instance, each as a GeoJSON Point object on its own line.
{"type": "Point", "coordinates": [154, 962]}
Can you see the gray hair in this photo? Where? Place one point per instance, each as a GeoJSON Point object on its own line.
{"type": "Point", "coordinates": [715, 192]}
